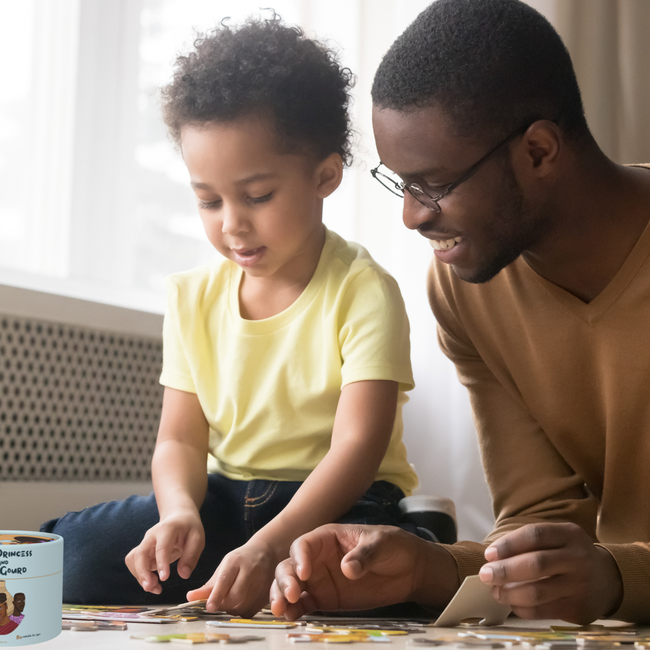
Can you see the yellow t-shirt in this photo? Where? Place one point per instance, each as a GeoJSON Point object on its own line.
{"type": "Point", "coordinates": [269, 388]}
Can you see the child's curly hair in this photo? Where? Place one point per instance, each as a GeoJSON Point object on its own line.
{"type": "Point", "coordinates": [266, 67]}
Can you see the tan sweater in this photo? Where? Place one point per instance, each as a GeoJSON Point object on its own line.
{"type": "Point", "coordinates": [560, 391]}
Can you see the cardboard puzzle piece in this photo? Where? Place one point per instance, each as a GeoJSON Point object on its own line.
{"type": "Point", "coordinates": [317, 629]}
{"type": "Point", "coordinates": [197, 638]}
{"type": "Point", "coordinates": [259, 624]}
{"type": "Point", "coordinates": [412, 627]}
{"type": "Point", "coordinates": [347, 636]}
{"type": "Point", "coordinates": [473, 600]}
{"type": "Point", "coordinates": [92, 626]}
{"type": "Point", "coordinates": [194, 607]}
{"type": "Point", "coordinates": [184, 612]}
{"type": "Point", "coordinates": [456, 641]}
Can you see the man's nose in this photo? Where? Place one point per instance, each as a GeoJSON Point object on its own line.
{"type": "Point", "coordinates": [414, 214]}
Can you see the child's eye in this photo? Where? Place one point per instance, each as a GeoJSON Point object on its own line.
{"type": "Point", "coordinates": [261, 199]}
{"type": "Point", "coordinates": [209, 205]}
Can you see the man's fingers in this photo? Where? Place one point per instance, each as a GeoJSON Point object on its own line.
{"type": "Point", "coordinates": [526, 567]}
{"type": "Point", "coordinates": [355, 564]}
{"type": "Point", "coordinates": [280, 606]}
{"type": "Point", "coordinates": [532, 537]}
{"type": "Point", "coordinates": [277, 600]}
{"type": "Point", "coordinates": [537, 593]}
{"type": "Point", "coordinates": [369, 551]}
{"type": "Point", "coordinates": [551, 598]}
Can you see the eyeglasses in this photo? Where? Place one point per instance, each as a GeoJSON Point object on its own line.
{"type": "Point", "coordinates": [399, 187]}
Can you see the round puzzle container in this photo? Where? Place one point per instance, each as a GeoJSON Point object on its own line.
{"type": "Point", "coordinates": [31, 587]}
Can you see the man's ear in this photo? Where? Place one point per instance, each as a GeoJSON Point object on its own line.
{"type": "Point", "coordinates": [542, 144]}
{"type": "Point", "coordinates": [329, 173]}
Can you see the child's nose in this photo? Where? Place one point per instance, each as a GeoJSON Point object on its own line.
{"type": "Point", "coordinates": [234, 220]}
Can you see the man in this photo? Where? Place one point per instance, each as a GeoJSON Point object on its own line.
{"type": "Point", "coordinates": [19, 605]}
{"type": "Point", "coordinates": [540, 284]}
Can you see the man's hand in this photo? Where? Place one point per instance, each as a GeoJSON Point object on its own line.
{"type": "Point", "coordinates": [241, 583]}
{"type": "Point", "coordinates": [347, 567]}
{"type": "Point", "coordinates": [553, 570]}
{"type": "Point", "coordinates": [178, 537]}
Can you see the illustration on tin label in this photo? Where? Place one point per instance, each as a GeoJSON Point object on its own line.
{"type": "Point", "coordinates": [15, 605]}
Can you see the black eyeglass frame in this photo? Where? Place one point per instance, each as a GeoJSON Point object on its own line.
{"type": "Point", "coordinates": [420, 195]}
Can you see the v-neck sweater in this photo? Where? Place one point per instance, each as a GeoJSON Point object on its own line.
{"type": "Point", "coordinates": [560, 393]}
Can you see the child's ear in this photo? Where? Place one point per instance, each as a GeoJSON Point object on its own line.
{"type": "Point", "coordinates": [329, 173]}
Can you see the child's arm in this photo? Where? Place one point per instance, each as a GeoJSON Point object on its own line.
{"type": "Point", "coordinates": [180, 482]}
{"type": "Point", "coordinates": [362, 430]}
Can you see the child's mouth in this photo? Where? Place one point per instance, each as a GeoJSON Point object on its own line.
{"type": "Point", "coordinates": [248, 257]}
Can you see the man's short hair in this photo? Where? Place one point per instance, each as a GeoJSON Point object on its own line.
{"type": "Point", "coordinates": [491, 65]}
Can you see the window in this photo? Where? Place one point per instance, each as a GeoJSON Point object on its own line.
{"type": "Point", "coordinates": [94, 200]}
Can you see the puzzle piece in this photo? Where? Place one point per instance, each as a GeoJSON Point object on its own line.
{"type": "Point", "coordinates": [317, 629]}
{"type": "Point", "coordinates": [473, 599]}
{"type": "Point", "coordinates": [197, 638]}
{"type": "Point", "coordinates": [193, 607]}
{"type": "Point", "coordinates": [124, 617]}
{"type": "Point", "coordinates": [247, 622]}
{"type": "Point", "coordinates": [92, 626]}
{"type": "Point", "coordinates": [351, 636]}
{"type": "Point", "coordinates": [400, 626]}
{"type": "Point", "coordinates": [585, 639]}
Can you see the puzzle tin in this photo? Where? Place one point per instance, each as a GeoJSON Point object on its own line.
{"type": "Point", "coordinates": [31, 587]}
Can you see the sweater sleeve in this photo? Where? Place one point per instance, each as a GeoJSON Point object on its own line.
{"type": "Point", "coordinates": [633, 561]}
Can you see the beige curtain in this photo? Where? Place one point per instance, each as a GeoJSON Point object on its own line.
{"type": "Point", "coordinates": [609, 42]}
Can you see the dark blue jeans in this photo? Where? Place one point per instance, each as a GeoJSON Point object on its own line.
{"type": "Point", "coordinates": [97, 539]}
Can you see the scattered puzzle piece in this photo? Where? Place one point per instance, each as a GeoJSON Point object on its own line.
{"type": "Point", "coordinates": [423, 642]}
{"type": "Point", "coordinates": [465, 642]}
{"type": "Point", "coordinates": [247, 622]}
{"type": "Point", "coordinates": [197, 638]}
{"type": "Point", "coordinates": [193, 607]}
{"type": "Point", "coordinates": [582, 639]}
{"type": "Point", "coordinates": [316, 629]}
{"type": "Point", "coordinates": [92, 626]}
{"type": "Point", "coordinates": [349, 636]}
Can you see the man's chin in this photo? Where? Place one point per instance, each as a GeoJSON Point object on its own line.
{"type": "Point", "coordinates": [472, 276]}
{"type": "Point", "coordinates": [485, 272]}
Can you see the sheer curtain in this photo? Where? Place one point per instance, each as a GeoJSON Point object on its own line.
{"type": "Point", "coordinates": [94, 200]}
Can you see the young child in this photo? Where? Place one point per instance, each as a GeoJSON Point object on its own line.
{"type": "Point", "coordinates": [286, 362]}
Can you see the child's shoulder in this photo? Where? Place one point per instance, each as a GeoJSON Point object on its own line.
{"type": "Point", "coordinates": [354, 260]}
{"type": "Point", "coordinates": [200, 279]}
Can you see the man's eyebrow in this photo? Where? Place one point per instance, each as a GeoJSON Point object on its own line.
{"type": "Point", "coordinates": [244, 181]}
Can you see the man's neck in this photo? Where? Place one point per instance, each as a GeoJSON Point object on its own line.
{"type": "Point", "coordinates": [600, 209]}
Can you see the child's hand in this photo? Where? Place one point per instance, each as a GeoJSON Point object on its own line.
{"type": "Point", "coordinates": [178, 537]}
{"type": "Point", "coordinates": [241, 583]}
